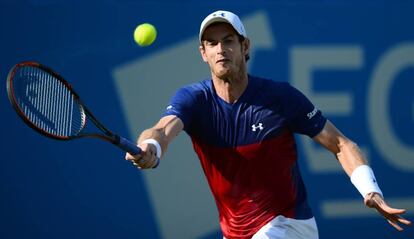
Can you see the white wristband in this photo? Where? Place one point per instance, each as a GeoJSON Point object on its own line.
{"type": "Point", "coordinates": [364, 180]}
{"type": "Point", "coordinates": [156, 144]}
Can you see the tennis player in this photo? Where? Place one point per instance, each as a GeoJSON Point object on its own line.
{"type": "Point", "coordinates": [242, 128]}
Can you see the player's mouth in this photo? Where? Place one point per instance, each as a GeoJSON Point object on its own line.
{"type": "Point", "coordinates": [225, 60]}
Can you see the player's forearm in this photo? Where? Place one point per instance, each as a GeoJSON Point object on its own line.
{"type": "Point", "coordinates": [152, 133]}
{"type": "Point", "coordinates": [163, 132]}
{"type": "Point", "coordinates": [347, 152]}
{"type": "Point", "coordinates": [350, 156]}
{"type": "Point", "coordinates": [355, 165]}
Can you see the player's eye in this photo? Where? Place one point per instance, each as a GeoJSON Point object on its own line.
{"type": "Point", "coordinates": [211, 43]}
{"type": "Point", "coordinates": [228, 41]}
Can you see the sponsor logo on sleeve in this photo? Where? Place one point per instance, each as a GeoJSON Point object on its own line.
{"type": "Point", "coordinates": [312, 113]}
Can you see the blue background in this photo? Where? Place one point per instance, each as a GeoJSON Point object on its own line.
{"type": "Point", "coordinates": [83, 188]}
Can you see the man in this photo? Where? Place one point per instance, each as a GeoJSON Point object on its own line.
{"type": "Point", "coordinates": [242, 130]}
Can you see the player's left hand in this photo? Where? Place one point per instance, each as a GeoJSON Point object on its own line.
{"type": "Point", "coordinates": [393, 215]}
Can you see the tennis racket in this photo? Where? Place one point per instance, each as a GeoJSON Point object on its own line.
{"type": "Point", "coordinates": [48, 104]}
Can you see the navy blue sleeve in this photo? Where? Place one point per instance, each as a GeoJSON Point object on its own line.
{"type": "Point", "coordinates": [302, 116]}
{"type": "Point", "coordinates": [181, 105]}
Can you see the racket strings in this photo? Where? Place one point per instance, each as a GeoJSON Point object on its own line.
{"type": "Point", "coordinates": [47, 102]}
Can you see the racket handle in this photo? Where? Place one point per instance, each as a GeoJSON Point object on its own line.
{"type": "Point", "coordinates": [132, 148]}
{"type": "Point", "coordinates": [128, 146]}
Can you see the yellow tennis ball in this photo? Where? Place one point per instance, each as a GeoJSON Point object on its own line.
{"type": "Point", "coordinates": [145, 34]}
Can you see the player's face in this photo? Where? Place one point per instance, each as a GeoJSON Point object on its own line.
{"type": "Point", "coordinates": [223, 51]}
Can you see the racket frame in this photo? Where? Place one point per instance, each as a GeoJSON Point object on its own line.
{"type": "Point", "coordinates": [107, 134]}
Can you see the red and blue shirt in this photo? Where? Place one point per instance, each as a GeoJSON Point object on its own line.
{"type": "Point", "coordinates": [247, 150]}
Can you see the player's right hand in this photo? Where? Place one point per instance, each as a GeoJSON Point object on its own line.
{"type": "Point", "coordinates": [146, 159]}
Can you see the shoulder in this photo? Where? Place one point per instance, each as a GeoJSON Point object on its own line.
{"type": "Point", "coordinates": [278, 93]}
{"type": "Point", "coordinates": [267, 82]}
{"type": "Point", "coordinates": [271, 87]}
{"type": "Point", "coordinates": [196, 90]}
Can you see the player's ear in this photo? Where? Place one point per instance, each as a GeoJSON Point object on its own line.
{"type": "Point", "coordinates": [246, 46]}
{"type": "Point", "coordinates": [202, 52]}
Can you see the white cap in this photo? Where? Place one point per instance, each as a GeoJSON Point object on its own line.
{"type": "Point", "coordinates": [223, 16]}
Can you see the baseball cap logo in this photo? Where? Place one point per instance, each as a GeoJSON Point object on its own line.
{"type": "Point", "coordinates": [220, 13]}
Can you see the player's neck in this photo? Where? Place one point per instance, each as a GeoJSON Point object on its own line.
{"type": "Point", "coordinates": [231, 88]}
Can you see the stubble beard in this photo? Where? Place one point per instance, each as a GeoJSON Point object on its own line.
{"type": "Point", "coordinates": [231, 74]}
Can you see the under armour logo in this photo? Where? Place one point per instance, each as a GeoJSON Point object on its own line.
{"type": "Point", "coordinates": [254, 127]}
{"type": "Point", "coordinates": [221, 14]}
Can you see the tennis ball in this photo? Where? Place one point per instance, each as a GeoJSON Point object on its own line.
{"type": "Point", "coordinates": [145, 34]}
